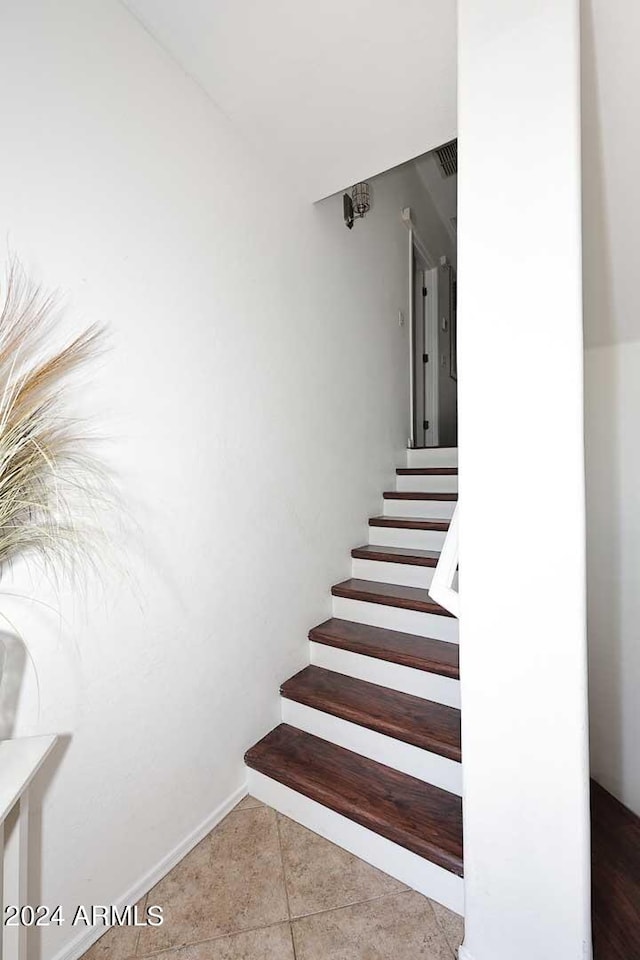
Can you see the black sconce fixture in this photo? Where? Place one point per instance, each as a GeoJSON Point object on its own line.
{"type": "Point", "coordinates": [357, 205]}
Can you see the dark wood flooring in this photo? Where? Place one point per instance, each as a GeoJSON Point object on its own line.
{"type": "Point", "coordinates": [421, 723]}
{"type": "Point", "coordinates": [615, 878]}
{"type": "Point", "coordinates": [389, 594]}
{"type": "Point", "coordinates": [418, 495]}
{"type": "Point", "coordinates": [421, 653]}
{"type": "Point", "coordinates": [410, 523]}
{"type": "Point", "coordinates": [410, 555]}
{"type": "Point", "coordinates": [427, 471]}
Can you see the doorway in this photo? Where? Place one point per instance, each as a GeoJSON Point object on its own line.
{"type": "Point", "coordinates": [433, 350]}
{"type": "Point", "coordinates": [425, 351]}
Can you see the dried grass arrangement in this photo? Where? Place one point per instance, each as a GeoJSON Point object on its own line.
{"type": "Point", "coordinates": [52, 485]}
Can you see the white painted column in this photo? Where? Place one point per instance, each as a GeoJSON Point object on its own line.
{"type": "Point", "coordinates": [522, 626]}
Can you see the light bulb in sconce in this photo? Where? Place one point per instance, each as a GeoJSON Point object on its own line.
{"type": "Point", "coordinates": [361, 199]}
{"type": "Point", "coordinates": [357, 205]}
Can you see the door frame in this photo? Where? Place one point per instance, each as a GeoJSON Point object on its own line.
{"type": "Point", "coordinates": [419, 252]}
{"type": "Point", "coordinates": [430, 320]}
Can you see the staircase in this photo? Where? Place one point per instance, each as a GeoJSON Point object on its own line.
{"type": "Point", "coordinates": [368, 753]}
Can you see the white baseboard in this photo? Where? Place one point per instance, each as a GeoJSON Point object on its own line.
{"type": "Point", "coordinates": [463, 953]}
{"type": "Point", "coordinates": [86, 938]}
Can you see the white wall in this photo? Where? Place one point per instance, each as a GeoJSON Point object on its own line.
{"type": "Point", "coordinates": [256, 400]}
{"type": "Point", "coordinates": [611, 145]}
{"type": "Point", "coordinates": [332, 92]}
{"type": "Point", "coordinates": [522, 626]}
{"type": "Point", "coordinates": [612, 413]}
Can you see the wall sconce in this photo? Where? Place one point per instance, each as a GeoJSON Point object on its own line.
{"type": "Point", "coordinates": [357, 205]}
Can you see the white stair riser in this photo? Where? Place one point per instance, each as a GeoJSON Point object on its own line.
{"type": "Point", "coordinates": [427, 484]}
{"type": "Point", "coordinates": [422, 764]}
{"type": "Point", "coordinates": [434, 457]}
{"type": "Point", "coordinates": [419, 683]}
{"type": "Point", "coordinates": [397, 618]}
{"type": "Point", "coordinates": [400, 537]}
{"type": "Point", "coordinates": [420, 874]}
{"type": "Point", "coordinates": [404, 574]}
{"type": "Point", "coordinates": [431, 509]}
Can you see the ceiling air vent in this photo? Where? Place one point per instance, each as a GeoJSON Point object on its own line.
{"type": "Point", "coordinates": [448, 158]}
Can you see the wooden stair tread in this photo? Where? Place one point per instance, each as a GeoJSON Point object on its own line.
{"type": "Point", "coordinates": [402, 716]}
{"type": "Point", "coordinates": [389, 594]}
{"type": "Point", "coordinates": [427, 471]}
{"type": "Point", "coordinates": [418, 816]}
{"type": "Point", "coordinates": [419, 558]}
{"type": "Point", "coordinates": [417, 495]}
{"type": "Point", "coordinates": [406, 649]}
{"type": "Point", "coordinates": [410, 523]}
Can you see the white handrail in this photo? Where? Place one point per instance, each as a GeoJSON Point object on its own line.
{"type": "Point", "coordinates": [441, 589]}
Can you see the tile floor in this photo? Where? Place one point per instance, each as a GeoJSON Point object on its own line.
{"type": "Point", "coordinates": [261, 887]}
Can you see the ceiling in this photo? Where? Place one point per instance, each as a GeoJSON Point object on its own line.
{"type": "Point", "coordinates": [334, 92]}
{"type": "Point", "coordinates": [442, 190]}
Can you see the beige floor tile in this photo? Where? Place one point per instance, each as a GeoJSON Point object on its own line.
{"type": "Point", "coordinates": [118, 943]}
{"type": "Point", "coordinates": [270, 943]}
{"type": "Point", "coordinates": [231, 881]}
{"type": "Point", "coordinates": [452, 924]}
{"type": "Point", "coordinates": [398, 927]}
{"type": "Point", "coordinates": [247, 803]}
{"type": "Point", "coordinates": [321, 876]}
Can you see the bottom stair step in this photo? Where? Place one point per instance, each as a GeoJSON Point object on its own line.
{"type": "Point", "coordinates": [417, 816]}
